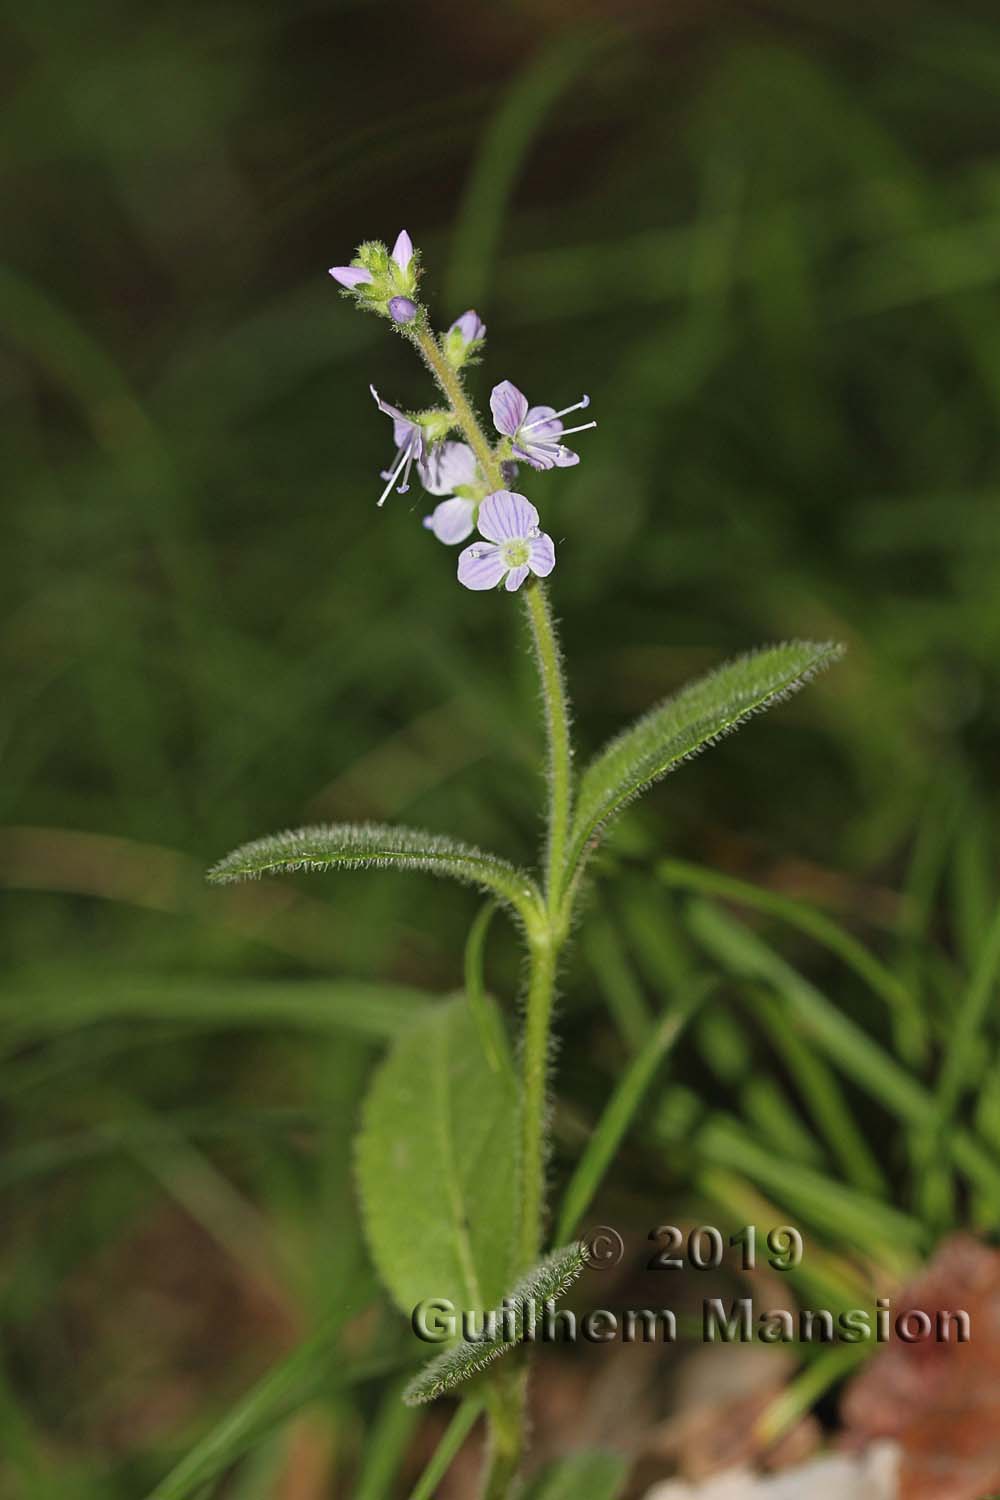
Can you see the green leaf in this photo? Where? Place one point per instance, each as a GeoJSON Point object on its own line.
{"type": "Point", "coordinates": [549, 1279]}
{"type": "Point", "coordinates": [682, 726]}
{"type": "Point", "coordinates": [582, 1476]}
{"type": "Point", "coordinates": [362, 846]}
{"type": "Point", "coordinates": [437, 1165]}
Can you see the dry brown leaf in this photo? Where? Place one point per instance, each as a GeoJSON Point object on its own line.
{"type": "Point", "coordinates": [940, 1400]}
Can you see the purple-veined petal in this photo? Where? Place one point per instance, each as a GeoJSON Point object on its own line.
{"type": "Point", "coordinates": [448, 465]}
{"type": "Point", "coordinates": [387, 406]}
{"type": "Point", "coordinates": [402, 250]}
{"type": "Point", "coordinates": [516, 577]}
{"type": "Point", "coordinates": [538, 456]}
{"type": "Point", "coordinates": [507, 517]}
{"type": "Point", "coordinates": [480, 566]}
{"type": "Point", "coordinates": [541, 425]}
{"type": "Point", "coordinates": [546, 455]}
{"type": "Point", "coordinates": [402, 310]}
{"type": "Point", "coordinates": [405, 432]}
{"type": "Point", "coordinates": [451, 521]}
{"type": "Point", "coordinates": [351, 276]}
{"type": "Point", "coordinates": [541, 555]}
{"type": "Point", "coordinates": [509, 407]}
{"type": "Point", "coordinates": [470, 325]}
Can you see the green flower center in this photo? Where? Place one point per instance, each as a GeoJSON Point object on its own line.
{"type": "Point", "coordinates": [516, 554]}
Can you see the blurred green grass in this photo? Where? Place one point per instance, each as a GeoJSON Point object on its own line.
{"type": "Point", "coordinates": [766, 241]}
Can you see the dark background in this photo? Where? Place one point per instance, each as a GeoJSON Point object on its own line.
{"type": "Point", "coordinates": [765, 239]}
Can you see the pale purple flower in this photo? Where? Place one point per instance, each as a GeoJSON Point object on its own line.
{"type": "Point", "coordinates": [409, 439]}
{"type": "Point", "coordinates": [402, 250]}
{"type": "Point", "coordinates": [510, 523]}
{"type": "Point", "coordinates": [402, 310]}
{"type": "Point", "coordinates": [446, 469]}
{"type": "Point", "coordinates": [470, 326]}
{"type": "Point", "coordinates": [535, 432]}
{"type": "Point", "coordinates": [351, 276]}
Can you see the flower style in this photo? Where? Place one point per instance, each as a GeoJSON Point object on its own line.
{"type": "Point", "coordinates": [535, 432]}
{"type": "Point", "coordinates": [510, 523]}
{"type": "Point", "coordinates": [408, 436]}
{"type": "Point", "coordinates": [451, 469]}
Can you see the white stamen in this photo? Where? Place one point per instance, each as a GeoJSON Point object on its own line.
{"type": "Point", "coordinates": [403, 488]}
{"type": "Point", "coordinates": [584, 401]}
{"type": "Point", "coordinates": [404, 455]}
{"type": "Point", "coordinates": [567, 431]}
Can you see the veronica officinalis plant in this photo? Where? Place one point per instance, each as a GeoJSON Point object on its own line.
{"type": "Point", "coordinates": [454, 1138]}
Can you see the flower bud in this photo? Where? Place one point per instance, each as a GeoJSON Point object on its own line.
{"type": "Point", "coordinates": [464, 338]}
{"type": "Point", "coordinates": [402, 310]}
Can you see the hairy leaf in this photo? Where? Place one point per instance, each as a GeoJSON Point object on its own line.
{"type": "Point", "coordinates": [361, 846]}
{"type": "Point", "coordinates": [437, 1165]}
{"type": "Point", "coordinates": [681, 726]}
{"type": "Point", "coordinates": [588, 1475]}
{"type": "Point", "coordinates": [524, 1305]}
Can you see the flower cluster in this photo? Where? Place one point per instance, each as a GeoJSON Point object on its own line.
{"type": "Point", "coordinates": [467, 475]}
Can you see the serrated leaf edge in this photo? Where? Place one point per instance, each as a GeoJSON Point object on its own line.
{"type": "Point", "coordinates": [589, 830]}
{"type": "Point", "coordinates": [548, 1280]}
{"type": "Point", "coordinates": [379, 846]}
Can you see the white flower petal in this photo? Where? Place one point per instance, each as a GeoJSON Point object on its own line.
{"type": "Point", "coordinates": [507, 517]}
{"type": "Point", "coordinates": [481, 566]}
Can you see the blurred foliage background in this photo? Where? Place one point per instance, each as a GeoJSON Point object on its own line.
{"type": "Point", "coordinates": [765, 239]}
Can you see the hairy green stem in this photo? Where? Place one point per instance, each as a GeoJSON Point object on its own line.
{"type": "Point", "coordinates": [545, 933]}
{"type": "Point", "coordinates": [534, 1065]}
{"type": "Point", "coordinates": [452, 388]}
{"type": "Point", "coordinates": [505, 1402]}
{"type": "Point", "coordinates": [560, 767]}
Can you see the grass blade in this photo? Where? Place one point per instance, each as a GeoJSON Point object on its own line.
{"type": "Point", "coordinates": [46, 1001]}
{"type": "Point", "coordinates": [489, 1023]}
{"type": "Point", "coordinates": [457, 1431]}
{"type": "Point", "coordinates": [284, 1390]}
{"type": "Point", "coordinates": [385, 1445]}
{"type": "Point", "coordinates": [620, 1111]}
{"type": "Point", "coordinates": [808, 919]}
{"type": "Point", "coordinates": [860, 1058]}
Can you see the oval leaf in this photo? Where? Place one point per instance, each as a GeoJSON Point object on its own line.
{"type": "Point", "coordinates": [437, 1165]}
{"type": "Point", "coordinates": [549, 1279]}
{"type": "Point", "coordinates": [681, 726]}
{"type": "Point", "coordinates": [362, 846]}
